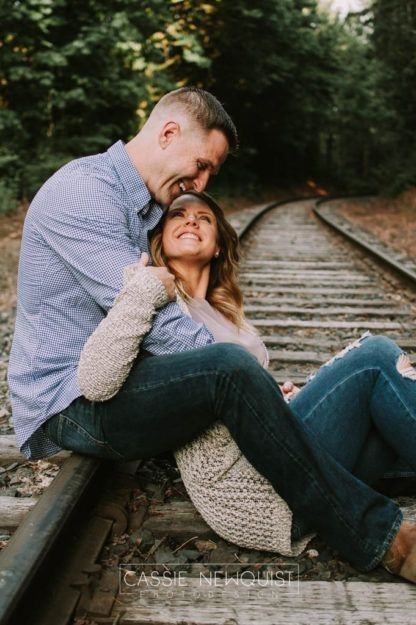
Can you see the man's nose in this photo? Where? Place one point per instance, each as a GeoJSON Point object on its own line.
{"type": "Point", "coordinates": [201, 181]}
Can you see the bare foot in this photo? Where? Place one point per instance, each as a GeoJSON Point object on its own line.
{"type": "Point", "coordinates": [400, 558]}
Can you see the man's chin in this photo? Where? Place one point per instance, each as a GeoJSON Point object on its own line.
{"type": "Point", "coordinates": [165, 199]}
{"type": "Point", "coordinates": [172, 196]}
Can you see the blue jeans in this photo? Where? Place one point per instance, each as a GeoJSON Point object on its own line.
{"type": "Point", "coordinates": [363, 410]}
{"type": "Point", "coordinates": [168, 400]}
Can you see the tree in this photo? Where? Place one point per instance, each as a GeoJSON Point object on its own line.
{"type": "Point", "coordinates": [310, 96]}
{"type": "Point", "coordinates": [394, 41]}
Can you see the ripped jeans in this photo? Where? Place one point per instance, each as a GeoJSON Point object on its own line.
{"type": "Point", "coordinates": [362, 407]}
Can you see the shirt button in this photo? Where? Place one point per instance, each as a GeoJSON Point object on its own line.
{"type": "Point", "coordinates": [145, 209]}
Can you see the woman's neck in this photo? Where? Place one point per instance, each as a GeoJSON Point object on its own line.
{"type": "Point", "coordinates": [195, 278]}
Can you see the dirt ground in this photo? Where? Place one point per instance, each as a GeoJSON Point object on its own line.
{"type": "Point", "coordinates": [393, 220]}
{"type": "Point", "coordinates": [10, 235]}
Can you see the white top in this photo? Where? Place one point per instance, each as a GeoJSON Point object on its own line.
{"type": "Point", "coordinates": [224, 331]}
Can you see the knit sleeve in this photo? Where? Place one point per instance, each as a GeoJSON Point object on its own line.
{"type": "Point", "coordinates": [110, 351]}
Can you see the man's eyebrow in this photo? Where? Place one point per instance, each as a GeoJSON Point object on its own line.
{"type": "Point", "coordinates": [215, 170]}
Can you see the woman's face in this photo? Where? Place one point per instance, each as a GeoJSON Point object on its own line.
{"type": "Point", "coordinates": [190, 231]}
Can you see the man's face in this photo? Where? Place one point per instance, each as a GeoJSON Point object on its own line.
{"type": "Point", "coordinates": [188, 157]}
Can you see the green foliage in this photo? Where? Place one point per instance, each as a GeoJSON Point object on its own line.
{"type": "Point", "coordinates": [39, 170]}
{"type": "Point", "coordinates": [394, 41]}
{"type": "Point", "coordinates": [273, 67]}
{"type": "Point", "coordinates": [369, 141]}
{"type": "Point", "coordinates": [8, 197]}
{"type": "Point", "coordinates": [311, 97]}
{"type": "Point", "coordinates": [69, 83]}
{"type": "Point", "coordinates": [353, 142]}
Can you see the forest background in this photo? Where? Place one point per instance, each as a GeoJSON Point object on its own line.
{"type": "Point", "coordinates": [314, 98]}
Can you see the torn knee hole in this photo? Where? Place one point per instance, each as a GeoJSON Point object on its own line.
{"type": "Point", "coordinates": [405, 367]}
{"type": "Point", "coordinates": [348, 348]}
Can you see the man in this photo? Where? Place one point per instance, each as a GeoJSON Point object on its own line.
{"type": "Point", "coordinates": [89, 221]}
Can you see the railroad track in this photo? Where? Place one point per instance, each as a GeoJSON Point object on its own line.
{"type": "Point", "coordinates": [309, 292]}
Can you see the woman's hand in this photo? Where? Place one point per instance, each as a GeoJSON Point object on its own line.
{"type": "Point", "coordinates": [162, 273]}
{"type": "Point", "coordinates": [289, 389]}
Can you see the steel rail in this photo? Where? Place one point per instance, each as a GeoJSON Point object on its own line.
{"type": "Point", "coordinates": [368, 247]}
{"type": "Point", "coordinates": [248, 225]}
{"type": "Point", "coordinates": [37, 534]}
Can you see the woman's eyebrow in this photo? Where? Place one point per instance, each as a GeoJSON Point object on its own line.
{"type": "Point", "coordinates": [204, 213]}
{"type": "Point", "coordinates": [200, 211]}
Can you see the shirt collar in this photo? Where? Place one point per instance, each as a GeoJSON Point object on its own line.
{"type": "Point", "coordinates": [137, 192]}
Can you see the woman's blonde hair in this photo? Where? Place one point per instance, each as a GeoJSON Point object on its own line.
{"type": "Point", "coordinates": [223, 292]}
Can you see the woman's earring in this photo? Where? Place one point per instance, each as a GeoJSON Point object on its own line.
{"type": "Point", "coordinates": [217, 254]}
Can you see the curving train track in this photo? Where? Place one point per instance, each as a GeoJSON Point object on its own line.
{"type": "Point", "coordinates": [309, 290]}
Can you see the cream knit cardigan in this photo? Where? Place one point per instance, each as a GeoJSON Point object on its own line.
{"type": "Point", "coordinates": [234, 499]}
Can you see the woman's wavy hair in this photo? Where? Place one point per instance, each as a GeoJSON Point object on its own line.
{"type": "Point", "coordinates": [223, 292]}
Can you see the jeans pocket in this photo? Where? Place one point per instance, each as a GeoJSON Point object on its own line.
{"type": "Point", "coordinates": [70, 435]}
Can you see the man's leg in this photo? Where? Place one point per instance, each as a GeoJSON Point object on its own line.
{"type": "Point", "coordinates": [169, 400]}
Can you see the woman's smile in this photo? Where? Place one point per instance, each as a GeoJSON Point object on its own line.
{"type": "Point", "coordinates": [189, 235]}
{"type": "Point", "coordinates": [190, 231]}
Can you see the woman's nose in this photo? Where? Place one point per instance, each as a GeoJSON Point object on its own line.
{"type": "Point", "coordinates": [191, 219]}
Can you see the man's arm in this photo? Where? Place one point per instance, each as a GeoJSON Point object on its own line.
{"type": "Point", "coordinates": [85, 225]}
{"type": "Point", "coordinates": [173, 331]}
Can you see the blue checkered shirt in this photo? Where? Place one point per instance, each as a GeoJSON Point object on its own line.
{"type": "Point", "coordinates": [86, 223]}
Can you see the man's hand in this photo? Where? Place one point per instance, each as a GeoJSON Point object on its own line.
{"type": "Point", "coordinates": [289, 389]}
{"type": "Point", "coordinates": [162, 273]}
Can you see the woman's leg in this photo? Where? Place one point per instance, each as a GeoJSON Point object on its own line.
{"type": "Point", "coordinates": [168, 400]}
{"type": "Point", "coordinates": [362, 406]}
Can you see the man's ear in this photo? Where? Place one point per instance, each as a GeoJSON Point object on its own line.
{"type": "Point", "coordinates": [169, 131]}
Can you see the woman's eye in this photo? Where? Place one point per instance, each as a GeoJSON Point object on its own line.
{"type": "Point", "coordinates": [206, 218]}
{"type": "Point", "coordinates": [175, 213]}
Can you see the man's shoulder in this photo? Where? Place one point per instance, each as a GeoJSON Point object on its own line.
{"type": "Point", "coordinates": [84, 185]}
{"type": "Point", "coordinates": [87, 170]}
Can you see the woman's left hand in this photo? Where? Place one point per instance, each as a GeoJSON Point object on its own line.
{"type": "Point", "coordinates": [289, 390]}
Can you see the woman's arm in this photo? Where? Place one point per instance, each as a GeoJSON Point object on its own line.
{"type": "Point", "coordinates": [110, 351]}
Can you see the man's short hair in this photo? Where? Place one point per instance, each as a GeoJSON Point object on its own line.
{"type": "Point", "coordinates": [205, 109]}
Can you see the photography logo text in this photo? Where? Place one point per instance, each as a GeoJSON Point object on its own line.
{"type": "Point", "coordinates": [204, 581]}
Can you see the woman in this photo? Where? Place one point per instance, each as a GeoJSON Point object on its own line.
{"type": "Point", "coordinates": [200, 248]}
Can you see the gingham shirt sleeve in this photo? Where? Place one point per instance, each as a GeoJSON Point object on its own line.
{"type": "Point", "coordinates": [86, 228]}
{"type": "Point", "coordinates": [173, 331]}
